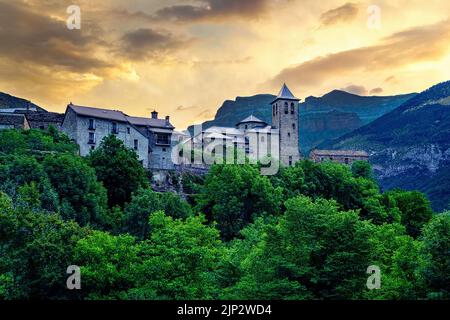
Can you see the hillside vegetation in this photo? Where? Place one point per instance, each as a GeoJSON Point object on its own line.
{"type": "Point", "coordinates": [310, 232]}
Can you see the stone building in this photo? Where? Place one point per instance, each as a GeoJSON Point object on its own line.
{"type": "Point", "coordinates": [88, 126]}
{"type": "Point", "coordinates": [285, 117]}
{"type": "Point", "coordinates": [13, 121]}
{"type": "Point", "coordinates": [254, 137]}
{"type": "Point", "coordinates": [42, 120]}
{"type": "Point", "coordinates": [340, 156]}
{"type": "Point", "coordinates": [159, 133]}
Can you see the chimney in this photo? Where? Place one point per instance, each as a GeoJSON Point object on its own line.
{"type": "Point", "coordinates": [167, 120]}
{"type": "Point", "coordinates": [154, 114]}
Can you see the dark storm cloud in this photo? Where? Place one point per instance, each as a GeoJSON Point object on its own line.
{"type": "Point", "coordinates": [149, 44]}
{"type": "Point", "coordinates": [26, 36]}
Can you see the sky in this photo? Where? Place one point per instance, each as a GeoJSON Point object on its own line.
{"type": "Point", "coordinates": [184, 58]}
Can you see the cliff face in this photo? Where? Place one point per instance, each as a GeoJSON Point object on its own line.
{"type": "Point", "coordinates": [321, 118]}
{"type": "Point", "coordinates": [318, 127]}
{"type": "Point", "coordinates": [410, 146]}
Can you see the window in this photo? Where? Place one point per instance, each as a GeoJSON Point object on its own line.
{"type": "Point", "coordinates": [91, 124]}
{"type": "Point", "coordinates": [293, 126]}
{"type": "Point", "coordinates": [91, 138]}
{"type": "Point", "coordinates": [290, 160]}
{"type": "Point", "coordinates": [289, 134]}
{"type": "Point", "coordinates": [262, 138]}
{"type": "Point", "coordinates": [41, 127]}
{"type": "Point", "coordinates": [292, 108]}
{"type": "Point", "coordinates": [128, 130]}
{"type": "Point", "coordinates": [286, 108]}
{"type": "Point", "coordinates": [246, 127]}
{"type": "Point", "coordinates": [92, 147]}
{"type": "Point", "coordinates": [115, 128]}
{"type": "Point", "coordinates": [162, 139]}
{"type": "Point", "coordinates": [136, 144]}
{"type": "Point", "coordinates": [346, 161]}
{"type": "Point", "coordinates": [164, 149]}
{"type": "Point", "coordinates": [273, 110]}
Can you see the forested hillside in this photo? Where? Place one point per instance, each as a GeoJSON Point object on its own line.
{"type": "Point", "coordinates": [309, 232]}
{"type": "Point", "coordinates": [410, 146]}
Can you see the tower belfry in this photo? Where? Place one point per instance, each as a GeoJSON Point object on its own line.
{"type": "Point", "coordinates": [285, 115]}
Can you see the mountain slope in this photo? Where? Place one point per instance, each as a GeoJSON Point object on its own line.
{"type": "Point", "coordinates": [327, 117]}
{"type": "Point", "coordinates": [10, 102]}
{"type": "Point", "coordinates": [410, 146]}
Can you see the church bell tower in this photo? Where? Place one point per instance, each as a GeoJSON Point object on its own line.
{"type": "Point", "coordinates": [285, 115]}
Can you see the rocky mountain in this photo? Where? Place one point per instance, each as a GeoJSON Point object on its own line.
{"type": "Point", "coordinates": [11, 103]}
{"type": "Point", "coordinates": [321, 118]}
{"type": "Point", "coordinates": [410, 146]}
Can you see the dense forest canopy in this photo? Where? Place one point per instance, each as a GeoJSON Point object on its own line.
{"type": "Point", "coordinates": [310, 232]}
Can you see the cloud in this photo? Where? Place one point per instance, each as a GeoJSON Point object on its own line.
{"type": "Point", "coordinates": [355, 89]}
{"type": "Point", "coordinates": [26, 36]}
{"type": "Point", "coordinates": [344, 13]}
{"type": "Point", "coordinates": [375, 91]}
{"type": "Point", "coordinates": [214, 9]}
{"type": "Point", "coordinates": [425, 43]}
{"type": "Point", "coordinates": [186, 108]}
{"type": "Point", "coordinates": [149, 44]}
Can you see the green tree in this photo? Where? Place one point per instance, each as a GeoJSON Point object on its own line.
{"type": "Point", "coordinates": [107, 264]}
{"type": "Point", "coordinates": [181, 260]}
{"type": "Point", "coordinates": [35, 249]}
{"type": "Point", "coordinates": [362, 169]}
{"type": "Point", "coordinates": [233, 194]}
{"type": "Point", "coordinates": [314, 251]}
{"type": "Point", "coordinates": [436, 254]}
{"type": "Point", "coordinates": [119, 169]}
{"type": "Point", "coordinates": [143, 203]}
{"type": "Point", "coordinates": [84, 199]}
{"type": "Point", "coordinates": [415, 210]}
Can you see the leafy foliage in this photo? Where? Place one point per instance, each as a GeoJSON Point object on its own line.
{"type": "Point", "coordinates": [119, 169]}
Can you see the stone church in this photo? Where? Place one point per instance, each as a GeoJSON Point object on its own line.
{"type": "Point", "coordinates": [254, 137]}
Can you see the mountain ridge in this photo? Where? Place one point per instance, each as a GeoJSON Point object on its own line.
{"type": "Point", "coordinates": [409, 147]}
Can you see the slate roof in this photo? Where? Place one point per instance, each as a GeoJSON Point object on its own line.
{"type": "Point", "coordinates": [45, 117]}
{"type": "Point", "coordinates": [252, 118]}
{"type": "Point", "coordinates": [285, 94]}
{"type": "Point", "coordinates": [16, 120]}
{"type": "Point", "coordinates": [116, 115]}
{"type": "Point", "coordinates": [149, 122]}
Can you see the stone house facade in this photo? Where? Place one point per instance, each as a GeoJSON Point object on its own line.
{"type": "Point", "coordinates": [88, 126]}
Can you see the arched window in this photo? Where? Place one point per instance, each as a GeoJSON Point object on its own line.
{"type": "Point", "coordinates": [286, 108]}
{"type": "Point", "coordinates": [293, 126]}
{"type": "Point", "coordinates": [292, 108]}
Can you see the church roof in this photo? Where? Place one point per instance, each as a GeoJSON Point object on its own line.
{"type": "Point", "coordinates": [285, 94]}
{"type": "Point", "coordinates": [251, 118]}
